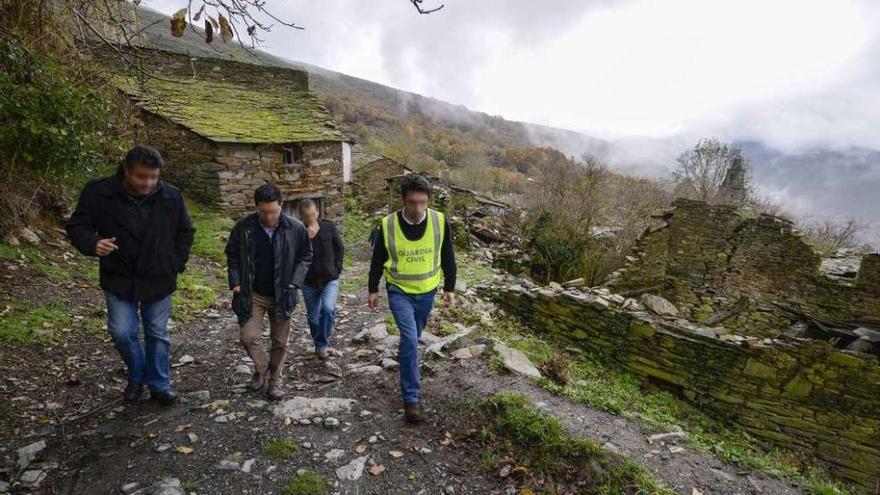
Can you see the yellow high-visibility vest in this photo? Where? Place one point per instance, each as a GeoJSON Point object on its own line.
{"type": "Point", "coordinates": [413, 266]}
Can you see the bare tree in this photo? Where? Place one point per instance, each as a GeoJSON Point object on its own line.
{"type": "Point", "coordinates": [701, 171]}
{"type": "Point", "coordinates": [829, 235]}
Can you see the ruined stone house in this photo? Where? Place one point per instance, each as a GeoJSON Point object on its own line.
{"type": "Point", "coordinates": [228, 127]}
{"type": "Point", "coordinates": [753, 273]}
{"type": "Point", "coordinates": [368, 178]}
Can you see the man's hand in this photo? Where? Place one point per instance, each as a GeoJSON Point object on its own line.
{"type": "Point", "coordinates": [236, 289]}
{"type": "Point", "coordinates": [373, 300]}
{"type": "Point", "coordinates": [449, 298]}
{"type": "Point", "coordinates": [106, 246]}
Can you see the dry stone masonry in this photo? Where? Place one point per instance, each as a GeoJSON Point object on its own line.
{"type": "Point", "coordinates": [233, 127]}
{"type": "Point", "coordinates": [799, 393]}
{"type": "Point", "coordinates": [754, 273]}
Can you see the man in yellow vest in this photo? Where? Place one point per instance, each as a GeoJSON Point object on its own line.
{"type": "Point", "coordinates": [414, 246]}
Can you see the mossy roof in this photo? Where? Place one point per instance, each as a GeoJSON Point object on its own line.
{"type": "Point", "coordinates": [233, 113]}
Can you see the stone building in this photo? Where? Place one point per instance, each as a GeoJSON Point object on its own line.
{"type": "Point", "coordinates": [368, 178]}
{"type": "Point", "coordinates": [230, 127]}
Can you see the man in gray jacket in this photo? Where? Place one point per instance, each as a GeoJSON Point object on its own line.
{"type": "Point", "coordinates": [268, 256]}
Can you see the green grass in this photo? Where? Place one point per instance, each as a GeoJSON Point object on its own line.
{"type": "Point", "coordinates": [354, 284]}
{"type": "Point", "coordinates": [539, 443]}
{"type": "Point", "coordinates": [195, 293]}
{"type": "Point", "coordinates": [391, 325]}
{"type": "Point", "coordinates": [39, 259]}
{"type": "Point", "coordinates": [204, 279]}
{"type": "Point", "coordinates": [471, 271]}
{"type": "Point", "coordinates": [283, 448]}
{"type": "Point", "coordinates": [38, 324]}
{"type": "Point", "coordinates": [212, 231]}
{"type": "Point", "coordinates": [307, 483]}
{"type": "Point", "coordinates": [356, 227]}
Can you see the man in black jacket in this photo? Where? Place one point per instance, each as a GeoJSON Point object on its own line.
{"type": "Point", "coordinates": [268, 256]}
{"type": "Point", "coordinates": [139, 227]}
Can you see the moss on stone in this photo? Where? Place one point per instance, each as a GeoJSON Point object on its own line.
{"type": "Point", "coordinates": [235, 113]}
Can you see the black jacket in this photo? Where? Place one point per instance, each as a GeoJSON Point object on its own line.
{"type": "Point", "coordinates": [293, 255]}
{"type": "Point", "coordinates": [153, 247]}
{"type": "Point", "coordinates": [328, 253]}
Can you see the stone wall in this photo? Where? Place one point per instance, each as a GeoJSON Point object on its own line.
{"type": "Point", "coordinates": [226, 175]}
{"type": "Point", "coordinates": [797, 393]}
{"type": "Point", "coordinates": [706, 259]}
{"type": "Point", "coordinates": [371, 185]}
{"type": "Point", "coordinates": [246, 167]}
{"type": "Point", "coordinates": [189, 158]}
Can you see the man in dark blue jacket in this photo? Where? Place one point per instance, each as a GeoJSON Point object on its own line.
{"type": "Point", "coordinates": [268, 256]}
{"type": "Point", "coordinates": [140, 229]}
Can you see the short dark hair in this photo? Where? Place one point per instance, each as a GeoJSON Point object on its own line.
{"type": "Point", "coordinates": [267, 193]}
{"type": "Point", "coordinates": [144, 155]}
{"type": "Point", "coordinates": [305, 203]}
{"type": "Point", "coordinates": [414, 183]}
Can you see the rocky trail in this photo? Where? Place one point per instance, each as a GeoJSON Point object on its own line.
{"type": "Point", "coordinates": [67, 432]}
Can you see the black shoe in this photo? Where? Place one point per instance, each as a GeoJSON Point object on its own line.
{"type": "Point", "coordinates": [275, 392]}
{"type": "Point", "coordinates": [413, 414]}
{"type": "Point", "coordinates": [166, 397]}
{"type": "Point", "coordinates": [133, 392]}
{"type": "Point", "coordinates": [258, 381]}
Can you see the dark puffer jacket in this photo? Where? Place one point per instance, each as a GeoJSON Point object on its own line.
{"type": "Point", "coordinates": [293, 256]}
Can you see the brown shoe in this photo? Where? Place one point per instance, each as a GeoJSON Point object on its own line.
{"type": "Point", "coordinates": [257, 382]}
{"type": "Point", "coordinates": [412, 413]}
{"type": "Point", "coordinates": [322, 354]}
{"type": "Point", "coordinates": [275, 392]}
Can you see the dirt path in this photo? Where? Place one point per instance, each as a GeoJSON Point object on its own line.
{"type": "Point", "coordinates": [217, 447]}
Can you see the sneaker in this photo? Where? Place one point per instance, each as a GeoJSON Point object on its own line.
{"type": "Point", "coordinates": [164, 397]}
{"type": "Point", "coordinates": [413, 414]}
{"type": "Point", "coordinates": [133, 392]}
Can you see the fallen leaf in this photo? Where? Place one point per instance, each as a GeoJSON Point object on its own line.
{"type": "Point", "coordinates": [360, 449]}
{"type": "Point", "coordinates": [183, 449]}
{"type": "Point", "coordinates": [519, 470]}
{"type": "Point", "coordinates": [395, 454]}
{"type": "Point", "coordinates": [694, 491]}
{"type": "Point", "coordinates": [377, 470]}
{"type": "Point", "coordinates": [180, 428]}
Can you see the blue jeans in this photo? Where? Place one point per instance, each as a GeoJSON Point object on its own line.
{"type": "Point", "coordinates": [410, 313]}
{"type": "Point", "coordinates": [321, 310]}
{"type": "Point", "coordinates": [147, 364]}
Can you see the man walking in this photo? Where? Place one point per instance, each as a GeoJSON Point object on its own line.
{"type": "Point", "coordinates": [268, 255]}
{"type": "Point", "coordinates": [321, 286]}
{"type": "Point", "coordinates": [139, 227]}
{"type": "Point", "coordinates": [415, 243]}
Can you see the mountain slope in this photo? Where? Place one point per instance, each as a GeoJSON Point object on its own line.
{"type": "Point", "coordinates": [430, 134]}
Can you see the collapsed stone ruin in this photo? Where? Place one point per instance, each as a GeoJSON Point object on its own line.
{"type": "Point", "coordinates": [737, 314]}
{"type": "Point", "coordinates": [754, 275]}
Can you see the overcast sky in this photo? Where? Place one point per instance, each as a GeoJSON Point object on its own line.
{"type": "Point", "coordinates": [789, 72]}
{"type": "Point", "coordinates": [793, 74]}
